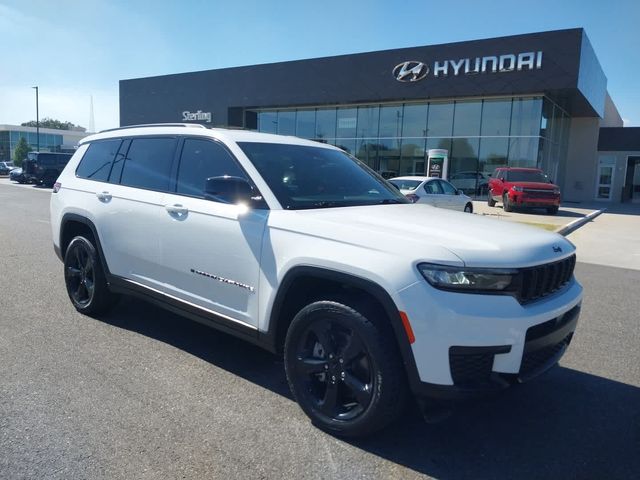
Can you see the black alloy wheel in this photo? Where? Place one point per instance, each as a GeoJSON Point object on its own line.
{"type": "Point", "coordinates": [84, 278]}
{"type": "Point", "coordinates": [345, 373]}
{"type": "Point", "coordinates": [80, 275]}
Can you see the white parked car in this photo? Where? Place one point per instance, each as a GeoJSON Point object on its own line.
{"type": "Point", "coordinates": [300, 248]}
{"type": "Point", "coordinates": [433, 191]}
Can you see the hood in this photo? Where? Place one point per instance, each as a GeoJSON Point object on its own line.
{"type": "Point", "coordinates": [423, 233]}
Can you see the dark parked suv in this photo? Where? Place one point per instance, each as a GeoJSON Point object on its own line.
{"type": "Point", "coordinates": [44, 167]}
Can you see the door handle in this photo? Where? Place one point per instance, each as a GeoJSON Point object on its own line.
{"type": "Point", "coordinates": [176, 209]}
{"type": "Point", "coordinates": [103, 196]}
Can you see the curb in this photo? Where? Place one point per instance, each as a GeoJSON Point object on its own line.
{"type": "Point", "coordinates": [576, 224]}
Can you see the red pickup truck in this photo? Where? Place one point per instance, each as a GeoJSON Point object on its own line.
{"type": "Point", "coordinates": [523, 187]}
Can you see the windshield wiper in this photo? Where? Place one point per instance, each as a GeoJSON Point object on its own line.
{"type": "Point", "coordinates": [390, 200]}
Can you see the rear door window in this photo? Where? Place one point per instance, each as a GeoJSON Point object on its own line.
{"type": "Point", "coordinates": [432, 188]}
{"type": "Point", "coordinates": [96, 162]}
{"type": "Point", "coordinates": [447, 187]}
{"type": "Point", "coordinates": [148, 163]}
{"type": "Point", "coordinates": [203, 159]}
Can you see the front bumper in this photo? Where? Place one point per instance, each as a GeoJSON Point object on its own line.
{"type": "Point", "coordinates": [480, 344]}
{"type": "Point", "coordinates": [533, 201]}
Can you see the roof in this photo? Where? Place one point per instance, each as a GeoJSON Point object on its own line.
{"type": "Point", "coordinates": [620, 139]}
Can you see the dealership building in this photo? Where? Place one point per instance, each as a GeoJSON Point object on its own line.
{"type": "Point", "coordinates": [534, 100]}
{"type": "Point", "coordinates": [44, 139]}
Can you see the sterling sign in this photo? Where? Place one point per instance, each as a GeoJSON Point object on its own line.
{"type": "Point", "coordinates": [413, 71]}
{"type": "Point", "coordinates": [197, 116]}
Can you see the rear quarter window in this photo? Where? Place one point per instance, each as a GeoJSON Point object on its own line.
{"type": "Point", "coordinates": [96, 162]}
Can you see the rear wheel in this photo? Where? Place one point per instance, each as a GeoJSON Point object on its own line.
{"type": "Point", "coordinates": [506, 204]}
{"type": "Point", "coordinates": [490, 201]}
{"type": "Point", "coordinates": [468, 208]}
{"type": "Point", "coordinates": [343, 369]}
{"type": "Point", "coordinates": [84, 278]}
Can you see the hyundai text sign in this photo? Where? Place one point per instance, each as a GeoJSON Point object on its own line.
{"type": "Point", "coordinates": [413, 70]}
{"type": "Point", "coordinates": [188, 116]}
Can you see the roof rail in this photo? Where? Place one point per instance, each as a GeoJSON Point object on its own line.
{"type": "Point", "coordinates": [146, 125]}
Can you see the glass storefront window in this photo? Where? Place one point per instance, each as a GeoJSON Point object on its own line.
{"type": "Point", "coordinates": [523, 151]}
{"type": "Point", "coordinates": [414, 120]}
{"type": "Point", "coordinates": [367, 151]}
{"type": "Point", "coordinates": [493, 153]}
{"type": "Point", "coordinates": [346, 144]}
{"type": "Point", "coordinates": [496, 118]}
{"type": "Point", "coordinates": [268, 122]}
{"type": "Point", "coordinates": [306, 123]}
{"type": "Point", "coordinates": [466, 119]}
{"type": "Point", "coordinates": [526, 117]}
{"type": "Point", "coordinates": [325, 123]}
{"type": "Point", "coordinates": [391, 121]}
{"type": "Point", "coordinates": [440, 123]}
{"type": "Point", "coordinates": [287, 122]}
{"type": "Point", "coordinates": [367, 122]}
{"type": "Point", "coordinates": [347, 121]}
{"type": "Point", "coordinates": [463, 155]}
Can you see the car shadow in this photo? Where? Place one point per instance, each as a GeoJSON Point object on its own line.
{"type": "Point", "coordinates": [565, 424]}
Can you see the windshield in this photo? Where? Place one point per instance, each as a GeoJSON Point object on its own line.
{"type": "Point", "coordinates": [527, 176]}
{"type": "Point", "coordinates": [314, 177]}
{"type": "Point", "coordinates": [406, 184]}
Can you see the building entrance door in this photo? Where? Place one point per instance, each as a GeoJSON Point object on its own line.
{"type": "Point", "coordinates": [604, 180]}
{"type": "Point", "coordinates": [631, 190]}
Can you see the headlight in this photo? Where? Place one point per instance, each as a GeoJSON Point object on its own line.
{"type": "Point", "coordinates": [469, 279]}
{"type": "Point", "coordinates": [517, 189]}
{"type": "Point", "coordinates": [556, 191]}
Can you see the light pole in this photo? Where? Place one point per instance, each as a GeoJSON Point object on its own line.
{"type": "Point", "coordinates": [37, 122]}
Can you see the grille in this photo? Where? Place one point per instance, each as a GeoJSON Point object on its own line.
{"type": "Point", "coordinates": [471, 370]}
{"type": "Point", "coordinates": [540, 193]}
{"type": "Point", "coordinates": [543, 280]}
{"type": "Point", "coordinates": [537, 359]}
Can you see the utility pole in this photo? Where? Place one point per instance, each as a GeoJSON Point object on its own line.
{"type": "Point", "coordinates": [37, 122]}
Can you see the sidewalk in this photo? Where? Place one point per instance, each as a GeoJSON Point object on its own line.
{"type": "Point", "coordinates": [611, 239]}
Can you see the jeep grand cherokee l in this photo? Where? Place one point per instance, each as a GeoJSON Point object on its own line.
{"type": "Point", "coordinates": [302, 249]}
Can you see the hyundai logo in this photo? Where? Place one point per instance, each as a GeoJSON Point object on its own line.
{"type": "Point", "coordinates": [410, 71]}
{"type": "Point", "coordinates": [557, 249]}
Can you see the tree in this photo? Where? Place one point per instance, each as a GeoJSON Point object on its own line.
{"type": "Point", "coordinates": [53, 123]}
{"type": "Point", "coordinates": [20, 152]}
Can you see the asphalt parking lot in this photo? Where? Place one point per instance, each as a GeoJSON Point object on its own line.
{"type": "Point", "coordinates": [146, 394]}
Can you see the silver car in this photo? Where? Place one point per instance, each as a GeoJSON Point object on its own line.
{"type": "Point", "coordinates": [434, 191]}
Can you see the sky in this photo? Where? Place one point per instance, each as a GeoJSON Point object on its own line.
{"type": "Point", "coordinates": [75, 50]}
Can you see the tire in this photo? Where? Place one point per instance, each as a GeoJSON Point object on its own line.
{"type": "Point", "coordinates": [552, 210]}
{"type": "Point", "coordinates": [506, 205]}
{"type": "Point", "coordinates": [468, 208]}
{"type": "Point", "coordinates": [336, 354]}
{"type": "Point", "coordinates": [85, 280]}
{"type": "Point", "coordinates": [48, 181]}
{"type": "Point", "coordinates": [490, 201]}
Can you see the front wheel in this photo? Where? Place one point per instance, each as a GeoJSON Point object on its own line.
{"type": "Point", "coordinates": [84, 278]}
{"type": "Point", "coordinates": [344, 369]}
{"type": "Point", "coordinates": [552, 210]}
{"type": "Point", "coordinates": [506, 204]}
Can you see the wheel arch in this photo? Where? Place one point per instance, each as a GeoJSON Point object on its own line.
{"type": "Point", "coordinates": [72, 225]}
{"type": "Point", "coordinates": [293, 294]}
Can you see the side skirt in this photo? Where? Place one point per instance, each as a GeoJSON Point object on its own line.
{"type": "Point", "coordinates": [192, 312]}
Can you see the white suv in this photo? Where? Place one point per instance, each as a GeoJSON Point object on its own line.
{"type": "Point", "coordinates": [300, 248]}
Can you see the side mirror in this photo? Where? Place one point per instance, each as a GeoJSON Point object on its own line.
{"type": "Point", "coordinates": [228, 190]}
{"type": "Point", "coordinates": [458, 192]}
